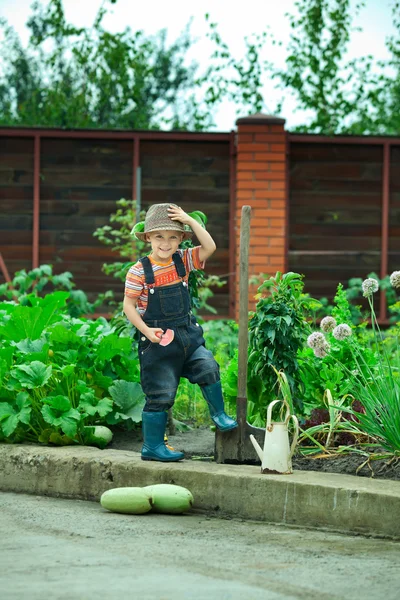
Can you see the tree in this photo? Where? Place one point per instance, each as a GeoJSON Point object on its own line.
{"type": "Point", "coordinates": [94, 78]}
{"type": "Point", "coordinates": [360, 96]}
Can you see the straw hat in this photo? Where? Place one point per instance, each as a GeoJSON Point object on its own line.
{"type": "Point", "coordinates": [157, 219]}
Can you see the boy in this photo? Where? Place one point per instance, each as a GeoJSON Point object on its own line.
{"type": "Point", "coordinates": [157, 299]}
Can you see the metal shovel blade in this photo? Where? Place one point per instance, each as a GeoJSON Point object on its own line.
{"type": "Point", "coordinates": [235, 446]}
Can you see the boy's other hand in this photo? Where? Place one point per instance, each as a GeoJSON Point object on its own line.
{"type": "Point", "coordinates": [151, 334]}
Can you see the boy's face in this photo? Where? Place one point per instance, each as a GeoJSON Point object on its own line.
{"type": "Point", "coordinates": [164, 244]}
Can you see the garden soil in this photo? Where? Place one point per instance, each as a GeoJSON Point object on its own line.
{"type": "Point", "coordinates": [198, 444]}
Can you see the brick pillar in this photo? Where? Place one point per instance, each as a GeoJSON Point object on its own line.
{"type": "Point", "coordinates": [261, 182]}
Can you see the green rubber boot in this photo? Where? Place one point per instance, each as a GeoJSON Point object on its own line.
{"type": "Point", "coordinates": [213, 396]}
{"type": "Point", "coordinates": [154, 447]}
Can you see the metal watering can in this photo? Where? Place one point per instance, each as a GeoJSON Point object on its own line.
{"type": "Point", "coordinates": [277, 455]}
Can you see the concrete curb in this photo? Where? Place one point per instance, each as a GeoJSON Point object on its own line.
{"type": "Point", "coordinates": [337, 502]}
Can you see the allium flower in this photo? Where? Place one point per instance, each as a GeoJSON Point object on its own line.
{"type": "Point", "coordinates": [395, 279]}
{"type": "Point", "coordinates": [328, 324]}
{"type": "Point", "coordinates": [316, 340]}
{"type": "Point", "coordinates": [342, 331]}
{"type": "Point", "coordinates": [323, 351]}
{"type": "Point", "coordinates": [369, 287]}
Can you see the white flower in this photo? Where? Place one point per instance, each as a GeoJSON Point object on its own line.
{"type": "Point", "coordinates": [369, 287]}
{"type": "Point", "coordinates": [328, 324]}
{"type": "Point", "coordinates": [316, 340]}
{"type": "Point", "coordinates": [395, 279]}
{"type": "Point", "coordinates": [342, 331]}
{"type": "Point", "coordinates": [322, 351]}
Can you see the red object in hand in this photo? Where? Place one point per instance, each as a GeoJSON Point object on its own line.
{"type": "Point", "coordinates": [166, 337]}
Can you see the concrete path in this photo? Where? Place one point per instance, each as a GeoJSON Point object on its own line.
{"type": "Point", "coordinates": [74, 550]}
{"type": "Point", "coordinates": [322, 500]}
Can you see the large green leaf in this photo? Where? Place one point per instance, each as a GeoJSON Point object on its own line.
{"type": "Point", "coordinates": [3, 369]}
{"type": "Point", "coordinates": [58, 412]}
{"type": "Point", "coordinates": [32, 376]}
{"type": "Point", "coordinates": [129, 398]}
{"type": "Point", "coordinates": [61, 335]}
{"type": "Point", "coordinates": [7, 355]}
{"type": "Point", "coordinates": [30, 322]}
{"type": "Point", "coordinates": [28, 346]}
{"type": "Point", "coordinates": [111, 346]}
{"type": "Point", "coordinates": [11, 416]}
{"type": "Point", "coordinates": [90, 404]}
{"type": "Point", "coordinates": [25, 407]}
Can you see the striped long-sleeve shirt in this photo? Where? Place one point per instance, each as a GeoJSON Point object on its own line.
{"type": "Point", "coordinates": [164, 274]}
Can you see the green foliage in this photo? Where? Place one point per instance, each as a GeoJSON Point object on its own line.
{"type": "Point", "coordinates": [25, 287]}
{"type": "Point", "coordinates": [60, 374]}
{"type": "Point", "coordinates": [375, 380]}
{"type": "Point", "coordinates": [278, 329]}
{"type": "Point", "coordinates": [341, 96]}
{"type": "Point", "coordinates": [335, 373]}
{"type": "Point", "coordinates": [90, 77]}
{"type": "Point", "coordinates": [118, 237]}
{"type": "Point", "coordinates": [357, 313]}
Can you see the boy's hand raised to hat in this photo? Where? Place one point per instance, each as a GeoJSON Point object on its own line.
{"type": "Point", "coordinates": [207, 244]}
{"type": "Point", "coordinates": [176, 213]}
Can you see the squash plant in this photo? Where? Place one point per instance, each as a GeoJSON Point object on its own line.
{"type": "Point", "coordinates": [60, 374]}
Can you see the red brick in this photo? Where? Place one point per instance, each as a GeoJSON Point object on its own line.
{"type": "Point", "coordinates": [245, 137]}
{"type": "Point", "coordinates": [276, 203]}
{"type": "Point", "coordinates": [278, 185]}
{"type": "Point", "coordinates": [277, 128]}
{"type": "Point", "coordinates": [271, 212]}
{"type": "Point", "coordinates": [277, 222]}
{"type": "Point", "coordinates": [271, 138]}
{"type": "Point", "coordinates": [251, 185]}
{"type": "Point", "coordinates": [269, 156]}
{"type": "Point", "coordinates": [244, 156]}
{"type": "Point", "coordinates": [278, 147]}
{"type": "Point", "coordinates": [276, 175]}
{"type": "Point", "coordinates": [250, 166]}
{"type": "Point", "coordinates": [259, 222]}
{"type": "Point", "coordinates": [269, 193]}
{"type": "Point", "coordinates": [244, 194]}
{"type": "Point", "coordinates": [279, 166]}
{"type": "Point", "coordinates": [252, 147]}
{"type": "Point", "coordinates": [243, 175]}
{"type": "Point", "coordinates": [279, 242]}
{"type": "Point", "coordinates": [253, 203]}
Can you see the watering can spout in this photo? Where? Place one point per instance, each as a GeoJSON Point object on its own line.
{"type": "Point", "coordinates": [256, 447]}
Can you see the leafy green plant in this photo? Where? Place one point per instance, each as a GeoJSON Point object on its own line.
{"type": "Point", "coordinates": [376, 386]}
{"type": "Point", "coordinates": [26, 285]}
{"type": "Point", "coordinates": [328, 432]}
{"type": "Point", "coordinates": [336, 370]}
{"type": "Point", "coordinates": [60, 374]}
{"type": "Point", "coordinates": [278, 328]}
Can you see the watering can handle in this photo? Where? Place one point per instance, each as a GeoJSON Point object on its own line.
{"type": "Point", "coordinates": [269, 412]}
{"type": "Point", "coordinates": [295, 435]}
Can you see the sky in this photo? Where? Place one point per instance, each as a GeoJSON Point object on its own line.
{"type": "Point", "coordinates": [235, 20]}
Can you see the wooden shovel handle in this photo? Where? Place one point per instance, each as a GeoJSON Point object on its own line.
{"type": "Point", "coordinates": [243, 300]}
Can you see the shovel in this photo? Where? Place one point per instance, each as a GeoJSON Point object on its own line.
{"type": "Point", "coordinates": [235, 446]}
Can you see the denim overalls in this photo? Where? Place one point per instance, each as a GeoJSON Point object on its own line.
{"type": "Point", "coordinates": [161, 367]}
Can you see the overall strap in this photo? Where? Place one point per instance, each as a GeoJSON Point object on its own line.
{"type": "Point", "coordinates": [179, 266]}
{"type": "Point", "coordinates": [148, 271]}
